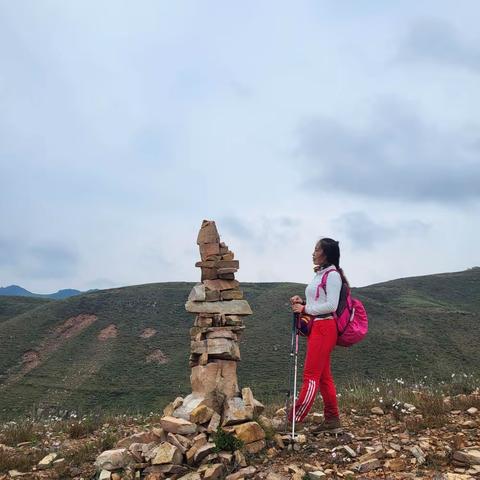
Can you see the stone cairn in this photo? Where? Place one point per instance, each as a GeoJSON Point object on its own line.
{"type": "Point", "coordinates": [184, 445]}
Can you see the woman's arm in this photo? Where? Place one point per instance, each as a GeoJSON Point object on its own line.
{"type": "Point", "coordinates": [330, 304]}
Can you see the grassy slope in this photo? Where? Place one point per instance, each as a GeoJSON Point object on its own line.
{"type": "Point", "coordinates": [420, 326]}
{"type": "Point", "coordinates": [13, 306]}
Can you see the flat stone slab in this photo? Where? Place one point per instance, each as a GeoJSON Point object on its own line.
{"type": "Point", "coordinates": [230, 307]}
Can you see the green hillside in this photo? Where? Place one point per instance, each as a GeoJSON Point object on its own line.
{"type": "Point", "coordinates": [418, 326]}
{"type": "Point", "coordinates": [13, 306]}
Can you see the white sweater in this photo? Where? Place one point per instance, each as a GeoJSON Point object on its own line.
{"type": "Point", "coordinates": [326, 303]}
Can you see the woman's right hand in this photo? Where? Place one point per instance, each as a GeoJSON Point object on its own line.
{"type": "Point", "coordinates": [296, 299]}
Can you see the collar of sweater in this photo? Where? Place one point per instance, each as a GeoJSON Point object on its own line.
{"type": "Point", "coordinates": [323, 268]}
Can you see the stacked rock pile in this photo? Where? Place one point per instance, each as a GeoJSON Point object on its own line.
{"type": "Point", "coordinates": [189, 441]}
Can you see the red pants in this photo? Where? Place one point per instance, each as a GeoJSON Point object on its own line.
{"type": "Point", "coordinates": [316, 372]}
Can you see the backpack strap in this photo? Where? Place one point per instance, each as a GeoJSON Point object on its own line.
{"type": "Point", "coordinates": [323, 283]}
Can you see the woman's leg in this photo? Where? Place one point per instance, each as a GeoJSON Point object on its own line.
{"type": "Point", "coordinates": [320, 343]}
{"type": "Point", "coordinates": [329, 393]}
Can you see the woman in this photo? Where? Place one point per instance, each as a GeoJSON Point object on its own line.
{"type": "Point", "coordinates": [323, 337]}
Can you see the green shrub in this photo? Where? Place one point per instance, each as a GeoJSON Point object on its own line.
{"type": "Point", "coordinates": [226, 441]}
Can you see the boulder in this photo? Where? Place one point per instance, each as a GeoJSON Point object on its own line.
{"type": "Point", "coordinates": [220, 285]}
{"type": "Point", "coordinates": [199, 440]}
{"type": "Point", "coordinates": [141, 437]}
{"type": "Point", "coordinates": [377, 411]}
{"type": "Point", "coordinates": [166, 470]}
{"type": "Point", "coordinates": [396, 464]}
{"type": "Point", "coordinates": [208, 233]}
{"type": "Point", "coordinates": [172, 406]}
{"type": "Point", "coordinates": [167, 453]}
{"type": "Point", "coordinates": [231, 294]}
{"type": "Point", "coordinates": [203, 451]}
{"type": "Point", "coordinates": [190, 476]}
{"type": "Point", "coordinates": [217, 347]}
{"type": "Point", "coordinates": [418, 454]}
{"type": "Point", "coordinates": [47, 461]}
{"type": "Point", "coordinates": [367, 465]}
{"type": "Point", "coordinates": [214, 472]}
{"type": "Point", "coordinates": [209, 249]}
{"type": "Point", "coordinates": [190, 403]}
{"type": "Point", "coordinates": [197, 294]}
{"type": "Point", "coordinates": [230, 307]}
{"type": "Point", "coordinates": [246, 472]}
{"type": "Point", "coordinates": [218, 376]}
{"type": "Point", "coordinates": [247, 396]}
{"type": "Point", "coordinates": [148, 451]}
{"type": "Point", "coordinates": [178, 425]}
{"type": "Point", "coordinates": [201, 414]}
{"type": "Point", "coordinates": [236, 411]}
{"type": "Point", "coordinates": [316, 475]}
{"type": "Point", "coordinates": [172, 438]}
{"type": "Point", "coordinates": [247, 432]}
{"type": "Point", "coordinates": [222, 332]}
{"type": "Point", "coordinates": [468, 457]}
{"type": "Point", "coordinates": [255, 447]}
{"type": "Point", "coordinates": [104, 475]}
{"type": "Point", "coordinates": [214, 423]}
{"type": "Point", "coordinates": [113, 459]}
{"type": "Point", "coordinates": [201, 321]}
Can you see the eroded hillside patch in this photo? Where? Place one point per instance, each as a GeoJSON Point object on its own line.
{"type": "Point", "coordinates": [157, 356]}
{"type": "Point", "coordinates": [148, 333]}
{"type": "Point", "coordinates": [108, 332]}
{"type": "Point", "coordinates": [69, 329]}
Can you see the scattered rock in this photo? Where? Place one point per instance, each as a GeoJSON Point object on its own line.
{"type": "Point", "coordinates": [113, 459]}
{"type": "Point", "coordinates": [178, 425]}
{"type": "Point", "coordinates": [203, 451]}
{"type": "Point", "coordinates": [214, 472]}
{"type": "Point", "coordinates": [316, 475]}
{"type": "Point", "coordinates": [104, 475]}
{"type": "Point", "coordinates": [468, 457]}
{"type": "Point", "coordinates": [377, 411]}
{"type": "Point", "coordinates": [396, 464]}
{"type": "Point", "coordinates": [246, 472]}
{"type": "Point", "coordinates": [201, 414]}
{"type": "Point", "coordinates": [247, 432]}
{"type": "Point", "coordinates": [367, 465]}
{"type": "Point", "coordinates": [47, 461]}
{"type": "Point", "coordinates": [418, 454]}
{"type": "Point", "coordinates": [236, 411]}
{"type": "Point", "coordinates": [167, 453]}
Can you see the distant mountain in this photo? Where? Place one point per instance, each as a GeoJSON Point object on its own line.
{"type": "Point", "coordinates": [17, 291]}
{"type": "Point", "coordinates": [126, 349]}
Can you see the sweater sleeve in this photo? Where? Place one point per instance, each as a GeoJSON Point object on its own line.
{"type": "Point", "coordinates": [330, 304]}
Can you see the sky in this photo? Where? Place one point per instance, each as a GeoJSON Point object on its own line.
{"type": "Point", "coordinates": [124, 124]}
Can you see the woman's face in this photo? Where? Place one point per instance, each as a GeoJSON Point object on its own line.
{"type": "Point", "coordinates": [318, 256]}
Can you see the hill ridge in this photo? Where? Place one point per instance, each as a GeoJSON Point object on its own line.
{"type": "Point", "coordinates": [412, 322]}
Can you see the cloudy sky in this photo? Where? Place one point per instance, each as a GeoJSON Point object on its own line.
{"type": "Point", "coordinates": [124, 124]}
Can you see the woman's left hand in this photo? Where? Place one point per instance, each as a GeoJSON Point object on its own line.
{"type": "Point", "coordinates": [298, 307]}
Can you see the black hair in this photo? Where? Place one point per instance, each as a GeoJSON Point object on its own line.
{"type": "Point", "coordinates": [331, 250]}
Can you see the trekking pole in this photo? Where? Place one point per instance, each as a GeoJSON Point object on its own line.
{"type": "Point", "coordinates": [295, 315]}
{"type": "Point", "coordinates": [290, 373]}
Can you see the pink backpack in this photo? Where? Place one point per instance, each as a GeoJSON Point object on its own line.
{"type": "Point", "coordinates": [351, 317]}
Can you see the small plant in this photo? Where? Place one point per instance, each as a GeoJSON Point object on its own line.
{"type": "Point", "coordinates": [226, 441]}
{"type": "Point", "coordinates": [85, 453]}
{"type": "Point", "coordinates": [82, 428]}
{"type": "Point", "coordinates": [18, 461]}
{"type": "Point", "coordinates": [14, 433]}
{"type": "Point", "coordinates": [107, 441]}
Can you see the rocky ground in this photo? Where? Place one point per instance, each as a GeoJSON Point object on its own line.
{"type": "Point", "coordinates": [438, 438]}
